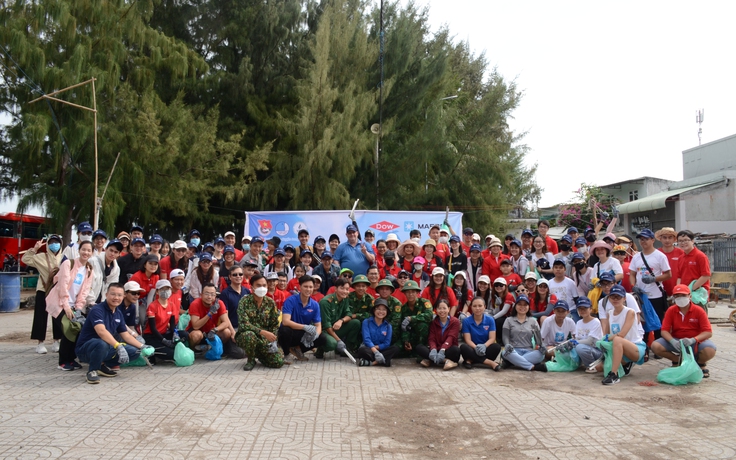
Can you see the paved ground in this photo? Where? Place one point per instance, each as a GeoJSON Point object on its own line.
{"type": "Point", "coordinates": [332, 409]}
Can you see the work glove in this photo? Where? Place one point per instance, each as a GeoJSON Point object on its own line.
{"type": "Point", "coordinates": [168, 343]}
{"type": "Point", "coordinates": [140, 340]}
{"type": "Point", "coordinates": [528, 257]}
{"type": "Point", "coordinates": [405, 324]}
{"type": "Point", "coordinates": [591, 286]}
{"type": "Point", "coordinates": [689, 342]}
{"type": "Point", "coordinates": [440, 357]}
{"type": "Point", "coordinates": [310, 330]}
{"type": "Point", "coordinates": [480, 349]}
{"type": "Point", "coordinates": [213, 309]}
{"type": "Point", "coordinates": [380, 359]}
{"type": "Point", "coordinates": [123, 357]}
{"type": "Point", "coordinates": [676, 344]}
{"type": "Point", "coordinates": [340, 346]}
{"type": "Point", "coordinates": [508, 349]}
{"type": "Point", "coordinates": [78, 317]}
{"type": "Point", "coordinates": [433, 356]}
{"type": "Point", "coordinates": [211, 335]}
{"type": "Point", "coordinates": [615, 211]}
{"type": "Point", "coordinates": [273, 347]}
{"type": "Point", "coordinates": [648, 279]}
{"type": "Point", "coordinates": [605, 215]}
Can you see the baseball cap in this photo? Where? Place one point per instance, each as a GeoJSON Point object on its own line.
{"type": "Point", "coordinates": [289, 247]}
{"type": "Point", "coordinates": [566, 238]}
{"type": "Point", "coordinates": [607, 276]}
{"type": "Point", "coordinates": [346, 270]}
{"type": "Point", "coordinates": [530, 276]}
{"type": "Point", "coordinates": [191, 245]}
{"type": "Point", "coordinates": [138, 240]}
{"type": "Point", "coordinates": [454, 238]}
{"type": "Point", "coordinates": [583, 302]}
{"type": "Point", "coordinates": [279, 252]}
{"type": "Point", "coordinates": [156, 239]}
{"type": "Point", "coordinates": [245, 238]}
{"type": "Point", "coordinates": [320, 238]}
{"type": "Point", "coordinates": [327, 255]}
{"type": "Point", "coordinates": [151, 258]}
{"type": "Point", "coordinates": [305, 252]}
{"type": "Point", "coordinates": [176, 273]}
{"type": "Point", "coordinates": [272, 276]}
{"type": "Point", "coordinates": [500, 280]}
{"type": "Point", "coordinates": [521, 298]}
{"type": "Point", "coordinates": [275, 240]}
{"type": "Point", "coordinates": [84, 227]}
{"type": "Point", "coordinates": [476, 237]}
{"type": "Point", "coordinates": [136, 228]}
{"type": "Point", "coordinates": [99, 233]}
{"type": "Point", "coordinates": [205, 256]}
{"type": "Point", "coordinates": [370, 232]}
{"type": "Point", "coordinates": [516, 242]}
{"type": "Point", "coordinates": [389, 254]}
{"type": "Point", "coordinates": [558, 262]}
{"type": "Point", "coordinates": [543, 281]}
{"type": "Point", "coordinates": [229, 234]}
{"type": "Point", "coordinates": [527, 231]}
{"type": "Point", "coordinates": [304, 230]}
{"type": "Point", "coordinates": [193, 232]}
{"type": "Point", "coordinates": [250, 263]}
{"type": "Point", "coordinates": [577, 255]}
{"type": "Point", "coordinates": [208, 245]}
{"type": "Point", "coordinates": [162, 284]}
{"type": "Point", "coordinates": [681, 289]}
{"type": "Point", "coordinates": [467, 231]}
{"type": "Point", "coordinates": [179, 244]}
{"type": "Point", "coordinates": [617, 290]}
{"type": "Point", "coordinates": [505, 262]}
{"type": "Point", "coordinates": [219, 240]}
{"type": "Point", "coordinates": [475, 247]}
{"type": "Point", "coordinates": [132, 286]}
{"type": "Point", "coordinates": [646, 233]}
{"type": "Point", "coordinates": [484, 279]}
{"type": "Point", "coordinates": [229, 249]}
{"type": "Point", "coordinates": [580, 241]}
{"type": "Point", "coordinates": [122, 235]}
{"type": "Point", "coordinates": [419, 260]}
{"type": "Point", "coordinates": [438, 271]}
{"type": "Point", "coordinates": [317, 277]}
{"type": "Point", "coordinates": [256, 239]}
{"type": "Point", "coordinates": [572, 230]}
{"type": "Point", "coordinates": [351, 228]}
{"type": "Point", "coordinates": [562, 304]}
{"type": "Point", "coordinates": [114, 242]}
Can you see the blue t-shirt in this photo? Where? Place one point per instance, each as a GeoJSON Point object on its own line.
{"type": "Point", "coordinates": [130, 313]}
{"type": "Point", "coordinates": [479, 332]}
{"type": "Point", "coordinates": [101, 314]}
{"type": "Point", "coordinates": [231, 299]}
{"type": "Point", "coordinates": [352, 257]}
{"type": "Point", "coordinates": [301, 314]}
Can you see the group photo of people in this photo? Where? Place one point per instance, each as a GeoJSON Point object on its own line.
{"type": "Point", "coordinates": [524, 302]}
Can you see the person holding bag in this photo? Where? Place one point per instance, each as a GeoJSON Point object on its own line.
{"type": "Point", "coordinates": [647, 270]}
{"type": "Point", "coordinates": [68, 297]}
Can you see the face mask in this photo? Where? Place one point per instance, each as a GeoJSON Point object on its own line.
{"type": "Point", "coordinates": [443, 239]}
{"type": "Point", "coordinates": [54, 247]}
{"type": "Point", "coordinates": [682, 302]}
{"type": "Point", "coordinates": [590, 238]}
{"type": "Point", "coordinates": [85, 237]}
{"type": "Point", "coordinates": [389, 262]}
{"type": "Point", "coordinates": [194, 241]}
{"type": "Point", "coordinates": [565, 247]}
{"type": "Point", "coordinates": [418, 267]}
{"type": "Point", "coordinates": [165, 294]}
{"type": "Point", "coordinates": [583, 249]}
{"type": "Point", "coordinates": [579, 266]}
{"type": "Point", "coordinates": [246, 247]}
{"type": "Point", "coordinates": [260, 291]}
{"type": "Point", "coordinates": [415, 239]}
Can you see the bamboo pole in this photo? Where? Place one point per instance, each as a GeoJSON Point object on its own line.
{"type": "Point", "coordinates": [63, 89]}
{"type": "Point", "coordinates": [97, 169]}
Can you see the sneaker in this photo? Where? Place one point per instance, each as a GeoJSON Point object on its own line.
{"type": "Point", "coordinates": [115, 368]}
{"type": "Point", "coordinates": [364, 362]}
{"type": "Point", "coordinates": [106, 371]}
{"type": "Point", "coordinates": [201, 349]}
{"type": "Point", "coordinates": [611, 379]}
{"type": "Point", "coordinates": [425, 362]}
{"type": "Point", "coordinates": [540, 367]}
{"type": "Point", "coordinates": [41, 349]}
{"type": "Point", "coordinates": [55, 346]}
{"type": "Point", "coordinates": [249, 365]}
{"type": "Point", "coordinates": [627, 367]}
{"type": "Point", "coordinates": [92, 377]}
{"type": "Point", "coordinates": [67, 367]}
{"type": "Point", "coordinates": [76, 365]}
{"type": "Point", "coordinates": [467, 365]}
{"type": "Point", "coordinates": [297, 352]}
{"type": "Point", "coordinates": [449, 364]}
{"type": "Point", "coordinates": [320, 353]}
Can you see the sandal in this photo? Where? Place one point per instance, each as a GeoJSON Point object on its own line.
{"type": "Point", "coordinates": [706, 372]}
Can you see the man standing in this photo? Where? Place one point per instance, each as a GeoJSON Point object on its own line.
{"type": "Point", "coordinates": [254, 254]}
{"type": "Point", "coordinates": [667, 236]}
{"type": "Point", "coordinates": [327, 271]}
{"type": "Point", "coordinates": [133, 262]}
{"type": "Point", "coordinates": [694, 265]}
{"type": "Point", "coordinates": [354, 254]}
{"type": "Point", "coordinates": [647, 269]}
{"type": "Point", "coordinates": [342, 331]}
{"type": "Point", "coordinates": [301, 322]}
{"type": "Point", "coordinates": [96, 344]}
{"type": "Point", "coordinates": [209, 317]}
{"type": "Point", "coordinates": [84, 233]}
{"type": "Point", "coordinates": [232, 294]}
{"type": "Point", "coordinates": [230, 241]}
{"type": "Point", "coordinates": [543, 227]}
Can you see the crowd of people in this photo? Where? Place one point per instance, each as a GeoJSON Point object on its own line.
{"type": "Point", "coordinates": [446, 300]}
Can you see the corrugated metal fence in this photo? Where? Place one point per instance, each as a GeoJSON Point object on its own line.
{"type": "Point", "coordinates": [724, 255]}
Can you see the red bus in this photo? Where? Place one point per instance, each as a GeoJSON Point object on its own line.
{"type": "Point", "coordinates": [18, 232]}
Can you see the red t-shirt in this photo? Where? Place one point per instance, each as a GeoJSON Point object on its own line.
{"type": "Point", "coordinates": [693, 266]}
{"type": "Point", "coordinates": [626, 283]}
{"type": "Point", "coordinates": [372, 292]}
{"type": "Point", "coordinates": [428, 291]}
{"type": "Point", "coordinates": [513, 279]}
{"type": "Point", "coordinates": [400, 296]}
{"type": "Point", "coordinates": [551, 245]}
{"type": "Point", "coordinates": [691, 324]}
{"type": "Point", "coordinates": [508, 299]}
{"type": "Point", "coordinates": [492, 267]}
{"type": "Point", "coordinates": [292, 285]}
{"type": "Point", "coordinates": [146, 283]}
{"type": "Point", "coordinates": [198, 309]}
{"type": "Point", "coordinates": [162, 315]}
{"type": "Point", "coordinates": [317, 296]}
{"type": "Point", "coordinates": [673, 257]}
{"type": "Point", "coordinates": [279, 297]}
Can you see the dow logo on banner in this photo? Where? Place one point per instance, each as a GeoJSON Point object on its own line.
{"type": "Point", "coordinates": [384, 226]}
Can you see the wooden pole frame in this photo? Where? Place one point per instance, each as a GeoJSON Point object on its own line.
{"type": "Point", "coordinates": [97, 205]}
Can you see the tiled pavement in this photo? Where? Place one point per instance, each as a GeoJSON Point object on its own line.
{"type": "Point", "coordinates": [332, 409]}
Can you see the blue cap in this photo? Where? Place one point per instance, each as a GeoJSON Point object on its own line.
{"type": "Point", "coordinates": [516, 242]}
{"type": "Point", "coordinates": [115, 242]}
{"type": "Point", "coordinates": [618, 290]}
{"type": "Point", "coordinates": [156, 238]}
{"type": "Point", "coordinates": [219, 240]}
{"type": "Point", "coordinates": [562, 304]}
{"type": "Point", "coordinates": [279, 252]}
{"type": "Point", "coordinates": [191, 245]}
{"type": "Point", "coordinates": [577, 255]}
{"type": "Point", "coordinates": [454, 238]}
{"type": "Point", "coordinates": [527, 231]}
{"type": "Point", "coordinates": [193, 232]}
{"type": "Point", "coordinates": [320, 238]}
{"type": "Point", "coordinates": [607, 276]}
{"type": "Point", "coordinates": [328, 255]}
{"type": "Point", "coordinates": [229, 249]}
{"type": "Point", "coordinates": [208, 245]}
{"type": "Point", "coordinates": [351, 228]}
{"type": "Point", "coordinates": [559, 262]}
{"type": "Point", "coordinates": [136, 228]}
{"type": "Point", "coordinates": [567, 238]}
{"type": "Point", "coordinates": [205, 256]}
{"type": "Point", "coordinates": [646, 233]}
{"type": "Point", "coordinates": [572, 230]}
{"type": "Point", "coordinates": [583, 302]}
{"type": "Point", "coordinates": [99, 233]}
{"type": "Point", "coordinates": [84, 227]}
{"type": "Point", "coordinates": [256, 239]}
{"type": "Point", "coordinates": [580, 241]}
{"type": "Point", "coordinates": [543, 263]}
{"type": "Point", "coordinates": [475, 247]}
{"type": "Point", "coordinates": [589, 230]}
{"type": "Point", "coordinates": [522, 297]}
{"type": "Point", "coordinates": [138, 240]}
{"type": "Point", "coordinates": [305, 252]}
{"type": "Point", "coordinates": [288, 247]}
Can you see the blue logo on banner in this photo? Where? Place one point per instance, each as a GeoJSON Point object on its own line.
{"type": "Point", "coordinates": [282, 228]}
{"type": "Point", "coordinates": [298, 227]}
{"type": "Point", "coordinates": [408, 226]}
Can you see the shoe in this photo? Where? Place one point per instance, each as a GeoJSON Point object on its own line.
{"type": "Point", "coordinates": [297, 352]}
{"type": "Point", "coordinates": [41, 349]}
{"type": "Point", "coordinates": [115, 368]}
{"type": "Point", "coordinates": [540, 367]}
{"type": "Point", "coordinates": [425, 362]}
{"type": "Point", "coordinates": [656, 356]}
{"type": "Point", "coordinates": [627, 367]}
{"type": "Point", "coordinates": [591, 369]}
{"type": "Point", "coordinates": [67, 367]}
{"type": "Point", "coordinates": [201, 349]}
{"type": "Point", "coordinates": [55, 346]}
{"type": "Point", "coordinates": [449, 364]}
{"type": "Point", "coordinates": [106, 371]}
{"type": "Point", "coordinates": [611, 379]}
{"type": "Point", "coordinates": [320, 353]}
{"type": "Point", "coordinates": [364, 362]}
{"type": "Point", "coordinates": [506, 364]}
{"type": "Point", "coordinates": [249, 365]}
{"type": "Point", "coordinates": [236, 352]}
{"type": "Point", "coordinates": [92, 377]}
{"type": "Point", "coordinates": [76, 365]}
{"type": "Point", "coordinates": [467, 365]}
{"type": "Point", "coordinates": [498, 368]}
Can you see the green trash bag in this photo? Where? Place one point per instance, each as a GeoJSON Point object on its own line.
{"type": "Point", "coordinates": [698, 296]}
{"type": "Point", "coordinates": [183, 356]}
{"type": "Point", "coordinates": [607, 348]}
{"type": "Point", "coordinates": [184, 322]}
{"type": "Point", "coordinates": [138, 362]}
{"type": "Point", "coordinates": [687, 372]}
{"type": "Point", "coordinates": [564, 362]}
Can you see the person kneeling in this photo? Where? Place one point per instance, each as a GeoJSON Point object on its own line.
{"type": "Point", "coordinates": [162, 318]}
{"type": "Point", "coordinates": [258, 324]}
{"type": "Point", "coordinates": [301, 322]}
{"type": "Point", "coordinates": [479, 334]}
{"type": "Point", "coordinates": [96, 344]}
{"type": "Point", "coordinates": [443, 347]}
{"type": "Point", "coordinates": [377, 332]}
{"type": "Point", "coordinates": [209, 318]}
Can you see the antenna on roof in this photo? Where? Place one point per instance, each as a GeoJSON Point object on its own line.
{"type": "Point", "coordinates": [699, 120]}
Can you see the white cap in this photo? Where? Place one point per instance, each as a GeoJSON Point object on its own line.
{"type": "Point", "coordinates": [438, 271]}
{"type": "Point", "coordinates": [176, 273]}
{"type": "Point", "coordinates": [531, 276]}
{"type": "Point", "coordinates": [132, 286]}
{"type": "Point", "coordinates": [501, 280]}
{"type": "Point", "coordinates": [318, 277]}
{"type": "Point", "coordinates": [543, 281]}
{"type": "Point", "coordinates": [179, 244]}
{"type": "Point", "coordinates": [476, 237]}
{"type": "Point", "coordinates": [229, 233]}
{"type": "Point", "coordinates": [272, 276]}
{"type": "Point", "coordinates": [484, 279]}
{"type": "Point", "coordinates": [162, 284]}
{"type": "Point", "coordinates": [246, 237]}
{"type": "Point", "coordinates": [490, 236]}
{"type": "Point", "coordinates": [392, 237]}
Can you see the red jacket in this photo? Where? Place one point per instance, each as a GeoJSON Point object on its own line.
{"type": "Point", "coordinates": [492, 267]}
{"type": "Point", "coordinates": [438, 340]}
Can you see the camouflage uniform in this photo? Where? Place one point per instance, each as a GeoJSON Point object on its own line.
{"type": "Point", "coordinates": [252, 320]}
{"type": "Point", "coordinates": [361, 308]}
{"type": "Point", "coordinates": [333, 310]}
{"type": "Point", "coordinates": [394, 319]}
{"type": "Point", "coordinates": [421, 315]}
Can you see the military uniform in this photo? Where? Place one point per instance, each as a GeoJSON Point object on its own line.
{"type": "Point", "coordinates": [394, 318]}
{"type": "Point", "coordinates": [421, 315]}
{"type": "Point", "coordinates": [360, 307]}
{"type": "Point", "coordinates": [333, 310]}
{"type": "Point", "coordinates": [252, 319]}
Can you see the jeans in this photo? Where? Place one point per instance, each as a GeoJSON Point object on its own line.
{"type": "Point", "coordinates": [523, 358]}
{"type": "Point", "coordinates": [574, 315]}
{"type": "Point", "coordinates": [97, 351]}
{"type": "Point", "coordinates": [588, 353]}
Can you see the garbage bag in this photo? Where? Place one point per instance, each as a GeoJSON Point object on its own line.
{"type": "Point", "coordinates": [184, 322]}
{"type": "Point", "coordinates": [651, 320]}
{"type": "Point", "coordinates": [138, 362]}
{"type": "Point", "coordinates": [607, 348]}
{"type": "Point", "coordinates": [687, 372]}
{"type": "Point", "coordinates": [215, 352]}
{"type": "Point", "coordinates": [183, 356]}
{"type": "Point", "coordinates": [698, 296]}
{"type": "Point", "coordinates": [564, 362]}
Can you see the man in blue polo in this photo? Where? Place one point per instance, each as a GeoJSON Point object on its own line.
{"type": "Point", "coordinates": [354, 254]}
{"type": "Point", "coordinates": [301, 322]}
{"type": "Point", "coordinates": [96, 343]}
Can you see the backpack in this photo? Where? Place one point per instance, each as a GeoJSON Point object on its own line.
{"type": "Point", "coordinates": [51, 281]}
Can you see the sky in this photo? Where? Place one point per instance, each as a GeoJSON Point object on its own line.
{"type": "Point", "coordinates": [610, 89]}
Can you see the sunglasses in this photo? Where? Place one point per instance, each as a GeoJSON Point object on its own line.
{"type": "Point", "coordinates": [403, 277]}
{"type": "Point", "coordinates": [499, 285]}
{"type": "Point", "coordinates": [236, 274]}
{"type": "Point", "coordinates": [135, 294]}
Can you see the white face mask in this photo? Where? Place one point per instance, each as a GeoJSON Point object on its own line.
{"type": "Point", "coordinates": [164, 294]}
{"type": "Point", "coordinates": [443, 239]}
{"type": "Point", "coordinates": [682, 302]}
{"type": "Point", "coordinates": [260, 291]}
{"type": "Point", "coordinates": [85, 237]}
{"type": "Point", "coordinates": [415, 239]}
{"type": "Point", "coordinates": [583, 249]}
{"type": "Point", "coordinates": [418, 267]}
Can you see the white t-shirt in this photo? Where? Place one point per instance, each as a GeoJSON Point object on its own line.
{"type": "Point", "coordinates": [552, 334]}
{"type": "Point", "coordinates": [564, 290]}
{"type": "Point", "coordinates": [582, 284]}
{"type": "Point", "coordinates": [658, 263]}
{"type": "Point", "coordinates": [585, 330]}
{"type": "Point", "coordinates": [630, 302]}
{"type": "Point", "coordinates": [78, 275]}
{"type": "Point", "coordinates": [635, 334]}
{"type": "Point", "coordinates": [610, 264]}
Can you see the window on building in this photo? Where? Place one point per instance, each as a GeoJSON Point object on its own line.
{"type": "Point", "coordinates": [633, 195]}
